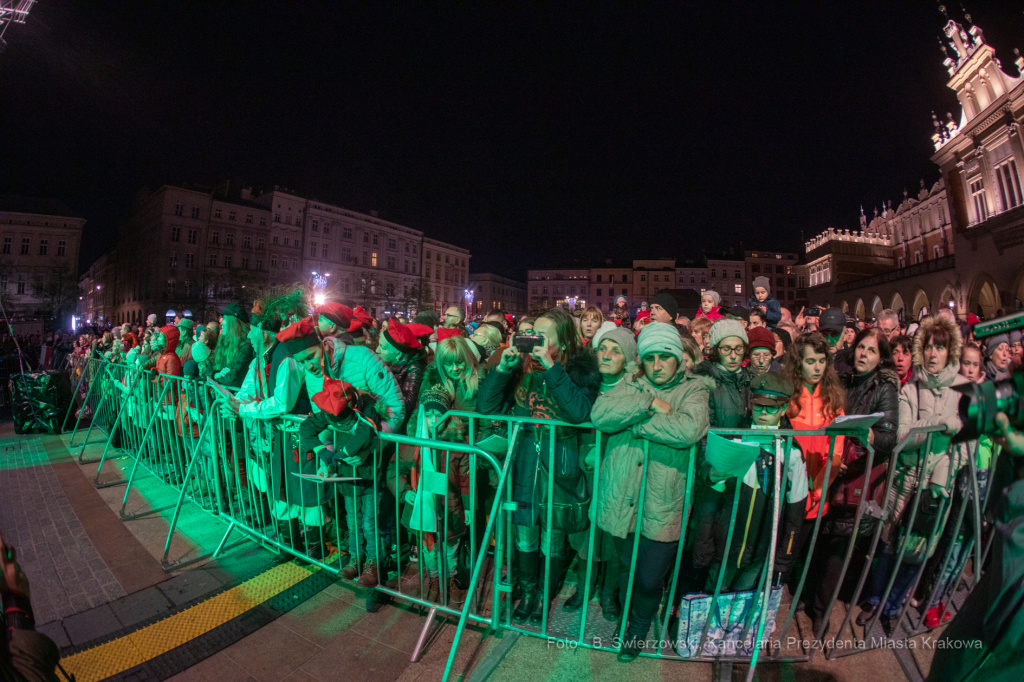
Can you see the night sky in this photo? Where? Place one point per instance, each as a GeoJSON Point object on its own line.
{"type": "Point", "coordinates": [533, 136]}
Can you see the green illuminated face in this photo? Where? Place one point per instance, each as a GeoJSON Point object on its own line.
{"type": "Point", "coordinates": [159, 341]}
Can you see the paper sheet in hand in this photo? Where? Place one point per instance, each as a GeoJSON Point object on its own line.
{"type": "Point", "coordinates": [225, 393]}
{"type": "Point", "coordinates": [329, 479]}
{"type": "Point", "coordinates": [494, 444]}
{"type": "Point", "coordinates": [849, 422]}
{"type": "Point", "coordinates": [730, 457]}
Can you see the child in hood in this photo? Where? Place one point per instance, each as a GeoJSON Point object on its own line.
{"type": "Point", "coordinates": [763, 300]}
{"type": "Point", "coordinates": [710, 305]}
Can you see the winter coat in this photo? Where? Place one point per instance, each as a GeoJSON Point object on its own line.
{"type": "Point", "coordinates": [361, 367]}
{"type": "Point", "coordinates": [624, 413]}
{"type": "Point", "coordinates": [715, 314]}
{"type": "Point", "coordinates": [556, 394]}
{"type": "Point", "coordinates": [927, 400]}
{"type": "Point", "coordinates": [808, 413]}
{"type": "Point", "coordinates": [875, 392]}
{"type": "Point", "coordinates": [168, 362]}
{"type": "Point", "coordinates": [408, 373]}
{"type": "Point", "coordinates": [772, 308]}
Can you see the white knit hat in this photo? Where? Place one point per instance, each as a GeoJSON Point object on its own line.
{"type": "Point", "coordinates": [714, 295]}
{"type": "Point", "coordinates": [660, 337]}
{"type": "Point", "coordinates": [723, 329]}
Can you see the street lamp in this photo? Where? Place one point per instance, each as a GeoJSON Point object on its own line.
{"type": "Point", "coordinates": [572, 303]}
{"type": "Point", "coordinates": [469, 293]}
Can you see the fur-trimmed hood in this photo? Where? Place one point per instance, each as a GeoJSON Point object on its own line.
{"type": "Point", "coordinates": [956, 342]}
{"type": "Point", "coordinates": [583, 370]}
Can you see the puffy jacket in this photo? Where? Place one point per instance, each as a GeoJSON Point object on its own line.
{"type": "Point", "coordinates": [715, 314]}
{"type": "Point", "coordinates": [168, 362]}
{"type": "Point", "coordinates": [808, 413]}
{"type": "Point", "coordinates": [408, 373]}
{"type": "Point", "coordinates": [875, 392]}
{"type": "Point", "coordinates": [928, 400]}
{"type": "Point", "coordinates": [361, 367]}
{"type": "Point", "coordinates": [625, 414]}
{"type": "Point", "coordinates": [772, 309]}
{"type": "Point", "coordinates": [556, 393]}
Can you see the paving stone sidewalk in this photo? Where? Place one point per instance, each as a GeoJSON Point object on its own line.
{"type": "Point", "coordinates": [67, 573]}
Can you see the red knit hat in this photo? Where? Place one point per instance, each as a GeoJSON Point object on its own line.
{"type": "Point", "coordinates": [400, 336]}
{"type": "Point", "coordinates": [337, 313]}
{"type": "Point", "coordinates": [360, 319]}
{"type": "Point", "coordinates": [336, 397]}
{"type": "Point", "coordinates": [419, 330]}
{"type": "Point", "coordinates": [299, 336]}
{"type": "Point", "coordinates": [443, 334]}
{"type": "Point", "coordinates": [760, 337]}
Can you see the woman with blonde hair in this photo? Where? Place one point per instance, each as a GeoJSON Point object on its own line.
{"type": "Point", "coordinates": [699, 328]}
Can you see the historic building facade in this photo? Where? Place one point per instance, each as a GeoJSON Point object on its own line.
{"type": "Point", "coordinates": [960, 243]}
{"type": "Point", "coordinates": [40, 242]}
{"type": "Point", "coordinates": [185, 249]}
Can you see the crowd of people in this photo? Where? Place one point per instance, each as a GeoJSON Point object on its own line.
{"type": "Point", "coordinates": [651, 381]}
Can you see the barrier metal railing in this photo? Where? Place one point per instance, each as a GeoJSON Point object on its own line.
{"type": "Point", "coordinates": [240, 470]}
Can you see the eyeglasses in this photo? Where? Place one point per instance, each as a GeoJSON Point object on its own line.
{"type": "Point", "coordinates": [731, 350]}
{"type": "Point", "coordinates": [768, 408]}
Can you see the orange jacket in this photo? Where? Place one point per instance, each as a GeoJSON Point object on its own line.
{"type": "Point", "coordinates": [808, 413]}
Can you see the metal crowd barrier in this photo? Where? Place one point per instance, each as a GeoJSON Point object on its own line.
{"type": "Point", "coordinates": [239, 469]}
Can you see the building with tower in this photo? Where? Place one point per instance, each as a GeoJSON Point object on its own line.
{"type": "Point", "coordinates": [958, 243]}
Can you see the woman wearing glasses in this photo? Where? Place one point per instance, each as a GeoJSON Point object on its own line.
{"type": "Point", "coordinates": [730, 408]}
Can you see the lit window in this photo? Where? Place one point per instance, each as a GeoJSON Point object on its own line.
{"type": "Point", "coordinates": [980, 203]}
{"type": "Point", "coordinates": [1009, 185]}
{"type": "Point", "coordinates": [738, 288]}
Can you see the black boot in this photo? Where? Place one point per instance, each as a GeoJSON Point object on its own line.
{"type": "Point", "coordinates": [314, 541]}
{"type": "Point", "coordinates": [575, 601]}
{"type": "Point", "coordinates": [558, 566]}
{"type": "Point", "coordinates": [526, 568]}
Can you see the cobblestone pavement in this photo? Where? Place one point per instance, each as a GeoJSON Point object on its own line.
{"type": "Point", "coordinates": [68, 575]}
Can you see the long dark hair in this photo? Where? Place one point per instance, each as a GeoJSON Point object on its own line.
{"type": "Point", "coordinates": [833, 397]}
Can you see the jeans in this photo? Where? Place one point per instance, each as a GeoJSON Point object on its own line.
{"type": "Point", "coordinates": [904, 579]}
{"type": "Point", "coordinates": [653, 562]}
{"type": "Point", "coordinates": [528, 539]}
{"type": "Point", "coordinates": [361, 514]}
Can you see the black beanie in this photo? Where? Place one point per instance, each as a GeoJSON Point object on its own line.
{"type": "Point", "coordinates": [666, 301]}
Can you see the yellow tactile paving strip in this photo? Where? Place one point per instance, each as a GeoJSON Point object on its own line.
{"type": "Point", "coordinates": [153, 640]}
